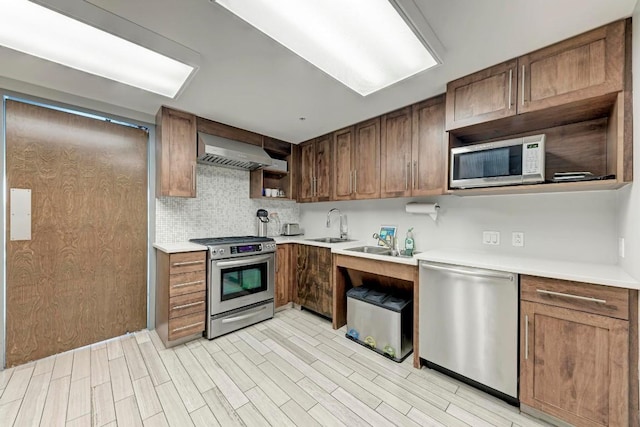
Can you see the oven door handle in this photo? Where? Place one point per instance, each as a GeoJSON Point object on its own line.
{"type": "Point", "coordinates": [243, 261]}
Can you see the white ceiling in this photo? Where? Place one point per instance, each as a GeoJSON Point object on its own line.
{"type": "Point", "coordinates": [248, 80]}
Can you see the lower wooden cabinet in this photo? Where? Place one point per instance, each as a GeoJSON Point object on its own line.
{"type": "Point", "coordinates": [284, 276]}
{"type": "Point", "coordinates": [576, 363]}
{"type": "Point", "coordinates": [180, 296]}
{"type": "Point", "coordinates": [314, 279]}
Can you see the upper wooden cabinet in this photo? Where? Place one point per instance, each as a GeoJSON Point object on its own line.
{"type": "Point", "coordinates": [582, 67]}
{"type": "Point", "coordinates": [413, 150]}
{"type": "Point", "coordinates": [587, 66]}
{"type": "Point", "coordinates": [175, 153]}
{"type": "Point", "coordinates": [315, 173]}
{"type": "Point", "coordinates": [395, 154]}
{"type": "Point", "coordinates": [356, 161]}
{"type": "Point", "coordinates": [483, 96]}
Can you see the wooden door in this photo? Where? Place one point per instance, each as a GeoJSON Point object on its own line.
{"type": "Point", "coordinates": [283, 279]}
{"type": "Point", "coordinates": [343, 142]}
{"type": "Point", "coordinates": [307, 171]}
{"type": "Point", "coordinates": [176, 148]}
{"type": "Point", "coordinates": [582, 67]}
{"type": "Point", "coordinates": [313, 274]}
{"type": "Point", "coordinates": [487, 95]}
{"type": "Point", "coordinates": [574, 365]}
{"type": "Point", "coordinates": [366, 160]}
{"type": "Point", "coordinates": [82, 277]}
{"type": "Point", "coordinates": [429, 148]}
{"type": "Point", "coordinates": [323, 168]}
{"type": "Point", "coordinates": [395, 154]}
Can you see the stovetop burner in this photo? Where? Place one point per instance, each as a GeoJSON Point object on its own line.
{"type": "Point", "coordinates": [210, 241]}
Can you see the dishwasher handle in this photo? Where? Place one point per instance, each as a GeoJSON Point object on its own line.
{"type": "Point", "coordinates": [468, 271]}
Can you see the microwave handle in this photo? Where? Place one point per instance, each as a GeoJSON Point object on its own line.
{"type": "Point", "coordinates": [244, 261]}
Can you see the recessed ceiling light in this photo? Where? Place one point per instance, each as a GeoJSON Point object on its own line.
{"type": "Point", "coordinates": [42, 32]}
{"type": "Point", "coordinates": [365, 44]}
{"type": "Point", "coordinates": [302, 119]}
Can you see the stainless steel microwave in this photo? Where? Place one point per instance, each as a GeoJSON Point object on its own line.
{"type": "Point", "coordinates": [509, 162]}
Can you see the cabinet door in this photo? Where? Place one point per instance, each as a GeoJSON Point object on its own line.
{"type": "Point", "coordinates": [574, 365]}
{"type": "Point", "coordinates": [582, 67]}
{"type": "Point", "coordinates": [395, 154]}
{"type": "Point", "coordinates": [176, 148]}
{"type": "Point", "coordinates": [429, 149]}
{"type": "Point", "coordinates": [366, 160]}
{"type": "Point", "coordinates": [483, 96]}
{"type": "Point", "coordinates": [323, 168]}
{"type": "Point", "coordinates": [343, 142]}
{"type": "Point", "coordinates": [313, 275]}
{"type": "Point", "coordinates": [283, 279]}
{"type": "Point", "coordinates": [307, 171]}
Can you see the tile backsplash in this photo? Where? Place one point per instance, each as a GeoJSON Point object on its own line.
{"type": "Point", "coordinates": [222, 208]}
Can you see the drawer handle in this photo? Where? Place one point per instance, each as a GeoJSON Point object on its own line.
{"type": "Point", "coordinates": [180, 285]}
{"type": "Point", "coordinates": [180, 264]}
{"type": "Point", "coordinates": [560, 294]}
{"type": "Point", "coordinates": [182, 328]}
{"type": "Point", "coordinates": [526, 337]}
{"type": "Point", "coordinates": [192, 304]}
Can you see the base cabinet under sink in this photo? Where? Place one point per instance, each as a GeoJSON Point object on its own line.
{"type": "Point", "coordinates": [314, 288]}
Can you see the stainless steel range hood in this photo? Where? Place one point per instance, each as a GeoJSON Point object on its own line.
{"type": "Point", "coordinates": [219, 151]}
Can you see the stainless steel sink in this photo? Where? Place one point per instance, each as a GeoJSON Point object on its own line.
{"type": "Point", "coordinates": [377, 250]}
{"type": "Point", "coordinates": [330, 240]}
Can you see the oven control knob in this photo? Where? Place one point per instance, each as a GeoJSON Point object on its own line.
{"type": "Point", "coordinates": [221, 251]}
{"type": "Point", "coordinates": [214, 252]}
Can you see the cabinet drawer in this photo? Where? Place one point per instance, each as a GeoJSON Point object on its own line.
{"type": "Point", "coordinates": [186, 304]}
{"type": "Point", "coordinates": [185, 262]}
{"type": "Point", "coordinates": [186, 283]}
{"type": "Point", "coordinates": [596, 299]}
{"type": "Point", "coordinates": [186, 325]}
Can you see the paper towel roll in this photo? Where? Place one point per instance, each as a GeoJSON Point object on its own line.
{"type": "Point", "coordinates": [430, 209]}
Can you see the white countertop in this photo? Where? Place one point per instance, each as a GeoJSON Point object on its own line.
{"type": "Point", "coordinates": [172, 248]}
{"type": "Point", "coordinates": [343, 249]}
{"type": "Point", "coordinates": [600, 274]}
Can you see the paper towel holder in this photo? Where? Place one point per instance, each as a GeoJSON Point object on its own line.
{"type": "Point", "coordinates": [430, 209]}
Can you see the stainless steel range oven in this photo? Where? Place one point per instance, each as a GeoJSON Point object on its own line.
{"type": "Point", "coordinates": [240, 282]}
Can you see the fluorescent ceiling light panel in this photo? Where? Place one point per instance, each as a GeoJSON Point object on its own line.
{"type": "Point", "coordinates": [41, 32]}
{"type": "Point", "coordinates": [365, 44]}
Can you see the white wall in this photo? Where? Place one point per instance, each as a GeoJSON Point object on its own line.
{"type": "Point", "coordinates": [222, 208]}
{"type": "Point", "coordinates": [570, 226]}
{"type": "Point", "coordinates": [629, 197]}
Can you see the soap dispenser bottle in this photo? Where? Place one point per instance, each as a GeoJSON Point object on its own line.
{"type": "Point", "coordinates": [409, 243]}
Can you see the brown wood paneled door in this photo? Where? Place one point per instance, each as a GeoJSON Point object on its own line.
{"type": "Point", "coordinates": [483, 96]}
{"type": "Point", "coordinates": [82, 277]}
{"type": "Point", "coordinates": [307, 171]}
{"type": "Point", "coordinates": [574, 365]}
{"type": "Point", "coordinates": [582, 67]}
{"type": "Point", "coordinates": [395, 158]}
{"type": "Point", "coordinates": [430, 153]}
{"type": "Point", "coordinates": [366, 160]}
{"type": "Point", "coordinates": [323, 168]}
{"type": "Point", "coordinates": [343, 141]}
{"type": "Point", "coordinates": [313, 276]}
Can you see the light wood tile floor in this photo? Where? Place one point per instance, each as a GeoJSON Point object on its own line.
{"type": "Point", "coordinates": [293, 370]}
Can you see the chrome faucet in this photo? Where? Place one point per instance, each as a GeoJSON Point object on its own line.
{"type": "Point", "coordinates": [344, 230]}
{"type": "Point", "coordinates": [383, 241]}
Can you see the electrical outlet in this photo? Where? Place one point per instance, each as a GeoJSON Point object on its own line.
{"type": "Point", "coordinates": [517, 238]}
{"type": "Point", "coordinates": [491, 237]}
{"type": "Point", "coordinates": [621, 247]}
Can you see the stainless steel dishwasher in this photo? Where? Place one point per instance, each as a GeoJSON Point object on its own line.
{"type": "Point", "coordinates": [469, 325]}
